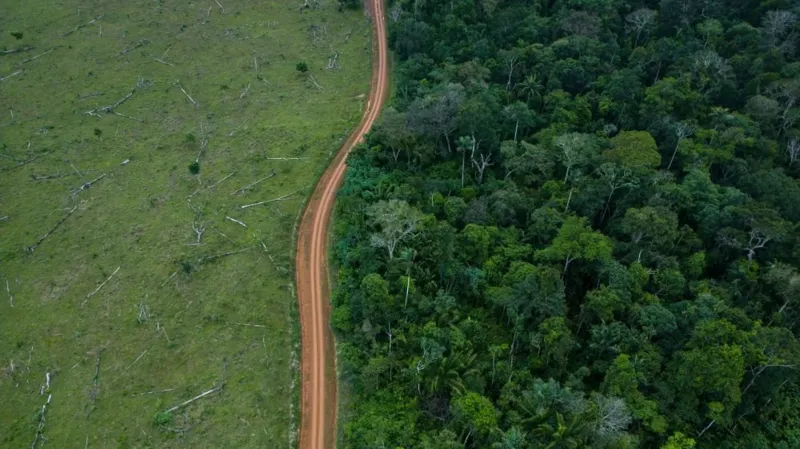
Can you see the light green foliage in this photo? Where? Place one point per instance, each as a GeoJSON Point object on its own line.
{"type": "Point", "coordinates": [577, 241]}
{"type": "Point", "coordinates": [161, 339]}
{"type": "Point", "coordinates": [636, 150]}
{"type": "Point", "coordinates": [679, 441]}
{"type": "Point", "coordinates": [475, 412]}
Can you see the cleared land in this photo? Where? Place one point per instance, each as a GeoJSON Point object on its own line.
{"type": "Point", "coordinates": [153, 285]}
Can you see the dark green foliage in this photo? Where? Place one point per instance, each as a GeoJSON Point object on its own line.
{"type": "Point", "coordinates": [301, 67]}
{"type": "Point", "coordinates": [17, 35]}
{"type": "Point", "coordinates": [603, 202]}
{"type": "Point", "coordinates": [194, 167]}
{"type": "Point", "coordinates": [162, 419]}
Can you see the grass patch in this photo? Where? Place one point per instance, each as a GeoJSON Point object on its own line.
{"type": "Point", "coordinates": [145, 188]}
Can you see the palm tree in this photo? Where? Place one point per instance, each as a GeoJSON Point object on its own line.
{"type": "Point", "coordinates": [561, 435]}
{"type": "Point", "coordinates": [531, 86]}
{"type": "Point", "coordinates": [514, 438]}
{"type": "Point", "coordinates": [451, 371]}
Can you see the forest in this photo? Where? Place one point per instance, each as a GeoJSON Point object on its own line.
{"type": "Point", "coordinates": [576, 226]}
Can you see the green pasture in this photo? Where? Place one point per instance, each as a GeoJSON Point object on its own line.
{"type": "Point", "coordinates": [152, 284]}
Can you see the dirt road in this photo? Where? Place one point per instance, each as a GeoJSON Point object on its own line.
{"type": "Point", "coordinates": [318, 400]}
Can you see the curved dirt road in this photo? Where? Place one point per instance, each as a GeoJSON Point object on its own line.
{"type": "Point", "coordinates": [318, 401]}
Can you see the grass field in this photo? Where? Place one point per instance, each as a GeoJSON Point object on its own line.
{"type": "Point", "coordinates": [192, 300]}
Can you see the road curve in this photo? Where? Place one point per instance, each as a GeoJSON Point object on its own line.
{"type": "Point", "coordinates": [318, 360]}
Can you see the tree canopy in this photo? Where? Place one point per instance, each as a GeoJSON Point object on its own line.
{"type": "Point", "coordinates": [576, 226]}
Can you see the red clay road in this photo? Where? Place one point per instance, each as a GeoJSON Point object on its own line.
{"type": "Point", "coordinates": [318, 400]}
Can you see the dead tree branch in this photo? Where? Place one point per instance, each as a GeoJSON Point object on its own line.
{"type": "Point", "coordinates": [196, 104]}
{"type": "Point", "coordinates": [110, 108]}
{"type": "Point", "coordinates": [37, 56]}
{"type": "Point", "coordinates": [21, 163]}
{"type": "Point", "coordinates": [199, 229]}
{"type": "Point", "coordinates": [251, 185]}
{"type": "Point", "coordinates": [40, 427]}
{"type": "Point", "coordinates": [199, 396]}
{"type": "Point", "coordinates": [101, 285]}
{"type": "Point", "coordinates": [33, 247]}
{"type": "Point", "coordinates": [219, 256]}
{"type": "Point", "coordinates": [333, 61]}
{"type": "Point", "coordinates": [35, 177]}
{"type": "Point", "coordinates": [163, 62]}
{"type": "Point", "coordinates": [311, 78]}
{"type": "Point", "coordinates": [9, 76]}
{"type": "Point", "coordinates": [272, 200]}
{"type": "Point", "coordinates": [86, 185]}
{"type": "Point", "coordinates": [137, 359]}
{"type": "Point", "coordinates": [83, 26]}
{"type": "Point", "coordinates": [226, 217]}
{"type": "Point", "coordinates": [17, 50]}
{"type": "Point", "coordinates": [10, 296]}
{"type": "Point", "coordinates": [211, 186]}
{"type": "Point", "coordinates": [220, 6]}
{"type": "Point", "coordinates": [245, 92]}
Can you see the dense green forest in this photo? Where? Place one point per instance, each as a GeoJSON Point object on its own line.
{"type": "Point", "coordinates": [576, 226]}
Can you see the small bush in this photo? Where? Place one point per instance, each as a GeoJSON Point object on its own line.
{"type": "Point", "coordinates": [162, 419]}
{"type": "Point", "coordinates": [194, 168]}
{"type": "Point", "coordinates": [17, 35]}
{"type": "Point", "coordinates": [302, 67]}
{"type": "Point", "coordinates": [186, 267]}
{"type": "Point", "coordinates": [98, 132]}
{"type": "Point", "coordinates": [189, 138]}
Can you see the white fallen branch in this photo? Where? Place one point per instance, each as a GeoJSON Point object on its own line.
{"type": "Point", "coordinates": [109, 109]}
{"type": "Point", "coordinates": [84, 25]}
{"type": "Point", "coordinates": [31, 248]}
{"type": "Point", "coordinates": [21, 163]}
{"type": "Point", "coordinates": [253, 184]}
{"type": "Point", "coordinates": [10, 296]}
{"type": "Point", "coordinates": [245, 92]}
{"type": "Point", "coordinates": [137, 359]}
{"type": "Point", "coordinates": [163, 62]}
{"type": "Point", "coordinates": [101, 285]}
{"type": "Point", "coordinates": [86, 185]}
{"type": "Point", "coordinates": [199, 396]}
{"type": "Point", "coordinates": [220, 6]}
{"type": "Point", "coordinates": [17, 50]}
{"type": "Point", "coordinates": [211, 186]}
{"type": "Point", "coordinates": [249, 325]}
{"type": "Point", "coordinates": [196, 104]}
{"type": "Point", "coordinates": [37, 56]}
{"type": "Point", "coordinates": [170, 277]}
{"type": "Point", "coordinates": [154, 392]}
{"type": "Point", "coordinates": [228, 218]}
{"type": "Point", "coordinates": [311, 78]}
{"type": "Point", "coordinates": [218, 256]}
{"type": "Point", "coordinates": [9, 76]}
{"type": "Point", "coordinates": [272, 200]}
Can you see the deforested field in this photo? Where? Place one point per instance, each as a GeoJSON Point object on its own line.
{"type": "Point", "coordinates": [132, 276]}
